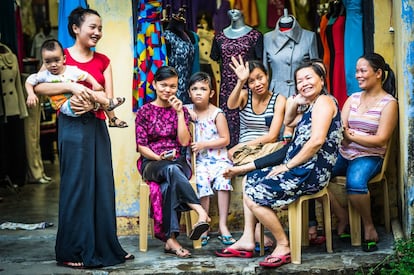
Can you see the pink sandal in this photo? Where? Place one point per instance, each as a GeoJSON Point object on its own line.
{"type": "Point", "coordinates": [275, 261]}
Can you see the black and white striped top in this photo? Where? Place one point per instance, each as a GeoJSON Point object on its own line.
{"type": "Point", "coordinates": [254, 125]}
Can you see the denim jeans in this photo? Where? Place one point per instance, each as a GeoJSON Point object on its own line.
{"type": "Point", "coordinates": [358, 172]}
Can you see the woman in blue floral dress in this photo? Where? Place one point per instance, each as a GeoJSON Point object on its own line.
{"type": "Point", "coordinates": [305, 170]}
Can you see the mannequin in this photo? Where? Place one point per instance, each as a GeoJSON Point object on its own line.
{"type": "Point", "coordinates": [286, 22]}
{"type": "Point", "coordinates": [181, 52]}
{"type": "Point", "coordinates": [13, 113]}
{"type": "Point", "coordinates": [284, 49]}
{"type": "Point", "coordinates": [237, 26]}
{"type": "Point", "coordinates": [236, 39]}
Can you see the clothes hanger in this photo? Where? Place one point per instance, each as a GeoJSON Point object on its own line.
{"type": "Point", "coordinates": [286, 22]}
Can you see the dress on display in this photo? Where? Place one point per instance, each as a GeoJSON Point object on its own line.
{"type": "Point", "coordinates": [249, 46]}
{"type": "Point", "coordinates": [181, 57]}
{"type": "Point", "coordinates": [284, 51]}
{"type": "Point", "coordinates": [150, 52]}
{"type": "Point", "coordinates": [353, 42]}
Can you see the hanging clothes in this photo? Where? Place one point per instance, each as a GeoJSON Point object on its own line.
{"type": "Point", "coordinates": [338, 73]}
{"type": "Point", "coordinates": [326, 53]}
{"type": "Point", "coordinates": [220, 17]}
{"type": "Point", "coordinates": [284, 51]}
{"type": "Point", "coordinates": [7, 24]}
{"type": "Point", "coordinates": [249, 9]}
{"type": "Point", "coordinates": [249, 46]}
{"type": "Point", "coordinates": [354, 42]}
{"type": "Point", "coordinates": [150, 51]}
{"type": "Point", "coordinates": [65, 8]}
{"type": "Point", "coordinates": [13, 97]}
{"type": "Point", "coordinates": [274, 12]}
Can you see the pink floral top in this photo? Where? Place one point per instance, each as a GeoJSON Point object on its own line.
{"type": "Point", "coordinates": [156, 128]}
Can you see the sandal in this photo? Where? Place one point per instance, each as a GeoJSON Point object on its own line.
{"type": "Point", "coordinates": [226, 240]}
{"type": "Point", "coordinates": [204, 240]}
{"type": "Point", "coordinates": [275, 261]}
{"type": "Point", "coordinates": [180, 252]}
{"type": "Point", "coordinates": [369, 246]}
{"type": "Point", "coordinates": [121, 124]}
{"type": "Point", "coordinates": [112, 105]}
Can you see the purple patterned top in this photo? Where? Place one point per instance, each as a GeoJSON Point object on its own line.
{"type": "Point", "coordinates": [156, 128]}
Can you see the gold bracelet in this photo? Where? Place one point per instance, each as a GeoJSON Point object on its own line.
{"type": "Point", "coordinates": [287, 166]}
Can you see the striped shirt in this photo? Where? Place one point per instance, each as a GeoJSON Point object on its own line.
{"type": "Point", "coordinates": [364, 124]}
{"type": "Point", "coordinates": [254, 125]}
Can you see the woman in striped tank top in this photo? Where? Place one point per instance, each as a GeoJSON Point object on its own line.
{"type": "Point", "coordinates": [261, 111]}
{"type": "Point", "coordinates": [369, 118]}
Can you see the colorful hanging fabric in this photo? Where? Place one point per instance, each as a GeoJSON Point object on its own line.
{"type": "Point", "coordinates": [150, 51]}
{"type": "Point", "coordinates": [65, 8]}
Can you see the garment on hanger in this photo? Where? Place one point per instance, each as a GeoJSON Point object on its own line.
{"type": "Point", "coordinates": [354, 42]}
{"type": "Point", "coordinates": [13, 97]}
{"type": "Point", "coordinates": [335, 33]}
{"type": "Point", "coordinates": [249, 46]}
{"type": "Point", "coordinates": [181, 52]}
{"type": "Point", "coordinates": [150, 51]}
{"type": "Point", "coordinates": [284, 51]}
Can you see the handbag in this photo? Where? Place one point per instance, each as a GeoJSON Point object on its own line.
{"type": "Point", "coordinates": [248, 153]}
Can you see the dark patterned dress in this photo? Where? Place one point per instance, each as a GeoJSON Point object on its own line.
{"type": "Point", "coordinates": [182, 59]}
{"type": "Point", "coordinates": [249, 46]}
{"type": "Point", "coordinates": [307, 178]}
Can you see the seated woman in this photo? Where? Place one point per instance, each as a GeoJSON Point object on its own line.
{"type": "Point", "coordinates": [305, 170]}
{"type": "Point", "coordinates": [369, 119]}
{"type": "Point", "coordinates": [161, 128]}
{"type": "Point", "coordinates": [261, 111]}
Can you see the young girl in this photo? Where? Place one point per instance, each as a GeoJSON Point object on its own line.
{"type": "Point", "coordinates": [211, 138]}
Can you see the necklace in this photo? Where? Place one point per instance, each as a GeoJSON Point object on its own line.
{"type": "Point", "coordinates": [365, 104]}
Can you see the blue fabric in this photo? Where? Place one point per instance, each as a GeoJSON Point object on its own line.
{"type": "Point", "coordinates": [358, 172]}
{"type": "Point", "coordinates": [353, 42]}
{"type": "Point", "coordinates": [65, 8]}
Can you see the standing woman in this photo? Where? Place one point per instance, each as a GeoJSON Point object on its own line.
{"type": "Point", "coordinates": [369, 119]}
{"type": "Point", "coordinates": [162, 127]}
{"type": "Point", "coordinates": [86, 234]}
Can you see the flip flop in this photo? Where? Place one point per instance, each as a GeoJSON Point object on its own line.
{"type": "Point", "coordinates": [198, 230]}
{"type": "Point", "coordinates": [230, 252]}
{"type": "Point", "coordinates": [226, 239]}
{"type": "Point", "coordinates": [275, 261]}
{"type": "Point", "coordinates": [257, 247]}
{"type": "Point", "coordinates": [75, 265]}
{"type": "Point", "coordinates": [369, 246]}
{"type": "Point", "coordinates": [204, 240]}
{"type": "Point", "coordinates": [180, 252]}
{"type": "Point", "coordinates": [318, 240]}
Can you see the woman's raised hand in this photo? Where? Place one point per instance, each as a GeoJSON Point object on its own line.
{"type": "Point", "coordinates": [240, 68]}
{"type": "Point", "coordinates": [176, 103]}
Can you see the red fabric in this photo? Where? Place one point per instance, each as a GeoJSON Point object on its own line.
{"type": "Point", "coordinates": [326, 53]}
{"type": "Point", "coordinates": [274, 12]}
{"type": "Point", "coordinates": [338, 74]}
{"type": "Point", "coordinates": [95, 67]}
{"type": "Point", "coordinates": [20, 46]}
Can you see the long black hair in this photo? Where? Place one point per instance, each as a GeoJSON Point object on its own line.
{"type": "Point", "coordinates": [377, 62]}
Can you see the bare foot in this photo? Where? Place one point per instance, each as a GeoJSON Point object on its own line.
{"type": "Point", "coordinates": [281, 250]}
{"type": "Point", "coordinates": [243, 244]}
{"type": "Point", "coordinates": [371, 234]}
